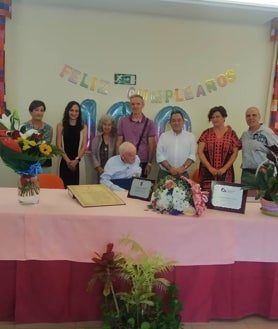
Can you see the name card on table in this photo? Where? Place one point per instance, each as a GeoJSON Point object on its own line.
{"type": "Point", "coordinates": [227, 197]}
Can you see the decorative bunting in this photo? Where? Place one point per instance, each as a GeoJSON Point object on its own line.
{"type": "Point", "coordinates": [94, 84]}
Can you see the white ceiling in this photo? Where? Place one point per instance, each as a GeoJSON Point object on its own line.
{"type": "Point", "coordinates": [182, 9]}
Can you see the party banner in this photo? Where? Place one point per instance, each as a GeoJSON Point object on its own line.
{"type": "Point", "coordinates": [102, 86]}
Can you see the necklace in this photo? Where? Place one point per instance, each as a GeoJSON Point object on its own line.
{"type": "Point", "coordinates": [37, 125]}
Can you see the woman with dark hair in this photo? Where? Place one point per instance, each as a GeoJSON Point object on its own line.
{"type": "Point", "coordinates": [71, 136]}
{"type": "Point", "coordinates": [217, 150]}
{"type": "Point", "coordinates": [104, 144]}
{"type": "Point", "coordinates": [37, 109]}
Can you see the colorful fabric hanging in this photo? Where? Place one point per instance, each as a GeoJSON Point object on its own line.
{"type": "Point", "coordinates": [274, 102]}
{"type": "Point", "coordinates": [4, 13]}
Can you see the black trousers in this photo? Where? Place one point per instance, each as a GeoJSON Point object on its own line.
{"type": "Point", "coordinates": [143, 166]}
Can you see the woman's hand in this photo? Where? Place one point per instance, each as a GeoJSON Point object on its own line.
{"type": "Point", "coordinates": [100, 170]}
{"type": "Point", "coordinates": [72, 164]}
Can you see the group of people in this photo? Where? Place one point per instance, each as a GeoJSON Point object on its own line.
{"type": "Point", "coordinates": [121, 151]}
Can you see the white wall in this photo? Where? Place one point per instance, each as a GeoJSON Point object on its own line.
{"type": "Point", "coordinates": [164, 53]}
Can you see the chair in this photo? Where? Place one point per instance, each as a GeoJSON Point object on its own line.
{"type": "Point", "coordinates": [47, 180]}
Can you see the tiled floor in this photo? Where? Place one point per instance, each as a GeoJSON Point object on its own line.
{"type": "Point", "coordinates": [252, 322]}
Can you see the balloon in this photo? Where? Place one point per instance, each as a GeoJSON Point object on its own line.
{"type": "Point", "coordinates": [188, 93]}
{"type": "Point", "coordinates": [221, 80]}
{"type": "Point", "coordinates": [102, 89]}
{"type": "Point", "coordinates": [156, 96]}
{"type": "Point", "coordinates": [75, 76]}
{"type": "Point", "coordinates": [177, 96]}
{"type": "Point", "coordinates": [93, 84]}
{"type": "Point", "coordinates": [118, 110]}
{"type": "Point", "coordinates": [210, 84]}
{"type": "Point", "coordinates": [168, 94]}
{"type": "Point", "coordinates": [130, 92]}
{"type": "Point", "coordinates": [66, 70]}
{"type": "Point", "coordinates": [163, 117]}
{"type": "Point", "coordinates": [231, 76]}
{"type": "Point", "coordinates": [200, 91]}
{"type": "Point", "coordinates": [83, 83]}
{"type": "Point", "coordinates": [88, 111]}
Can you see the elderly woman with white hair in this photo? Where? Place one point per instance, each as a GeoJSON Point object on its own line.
{"type": "Point", "coordinates": [104, 144]}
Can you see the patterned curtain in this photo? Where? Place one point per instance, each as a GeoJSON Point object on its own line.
{"type": "Point", "coordinates": [274, 101]}
{"type": "Point", "coordinates": [4, 13]}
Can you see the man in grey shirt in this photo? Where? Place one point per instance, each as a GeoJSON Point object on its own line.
{"type": "Point", "coordinates": [254, 142]}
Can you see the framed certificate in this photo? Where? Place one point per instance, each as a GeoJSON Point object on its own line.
{"type": "Point", "coordinates": [141, 188]}
{"type": "Point", "coordinates": [227, 197]}
{"type": "Point", "coordinates": [94, 195]}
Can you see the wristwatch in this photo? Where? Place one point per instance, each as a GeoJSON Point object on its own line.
{"type": "Point", "coordinates": [77, 158]}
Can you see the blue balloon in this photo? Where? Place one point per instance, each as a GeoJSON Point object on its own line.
{"type": "Point", "coordinates": [163, 117]}
{"type": "Point", "coordinates": [118, 110]}
{"type": "Point", "coordinates": [88, 112]}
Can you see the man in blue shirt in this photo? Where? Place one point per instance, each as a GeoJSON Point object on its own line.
{"type": "Point", "coordinates": [120, 169]}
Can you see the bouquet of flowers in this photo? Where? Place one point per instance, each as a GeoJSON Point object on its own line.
{"type": "Point", "coordinates": [23, 150]}
{"type": "Point", "coordinates": [178, 196]}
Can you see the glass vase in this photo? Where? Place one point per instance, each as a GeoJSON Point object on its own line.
{"type": "Point", "coordinates": [28, 189]}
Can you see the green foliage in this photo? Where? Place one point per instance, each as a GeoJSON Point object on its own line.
{"type": "Point", "coordinates": [266, 180]}
{"type": "Point", "coordinates": [148, 301]}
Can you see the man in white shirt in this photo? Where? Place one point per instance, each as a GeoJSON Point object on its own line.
{"type": "Point", "coordinates": [121, 168]}
{"type": "Point", "coordinates": [176, 148]}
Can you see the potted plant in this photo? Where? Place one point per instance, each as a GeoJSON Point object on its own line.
{"type": "Point", "coordinates": [136, 304]}
{"type": "Point", "coordinates": [265, 182]}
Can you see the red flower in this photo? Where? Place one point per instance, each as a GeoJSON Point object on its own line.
{"type": "Point", "coordinates": [169, 184]}
{"type": "Point", "coordinates": [106, 257]}
{"type": "Point", "coordinates": [11, 144]}
{"type": "Point", "coordinates": [109, 247]}
{"type": "Point", "coordinates": [37, 137]}
{"type": "Point", "coordinates": [15, 134]}
{"type": "Point", "coordinates": [3, 132]}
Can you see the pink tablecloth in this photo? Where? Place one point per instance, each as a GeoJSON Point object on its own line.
{"type": "Point", "coordinates": [60, 229]}
{"type": "Point", "coordinates": [40, 291]}
{"type": "Point", "coordinates": [227, 262]}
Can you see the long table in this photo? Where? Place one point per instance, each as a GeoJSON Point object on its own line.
{"type": "Point", "coordinates": [226, 262]}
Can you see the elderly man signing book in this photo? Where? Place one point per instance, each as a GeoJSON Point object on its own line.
{"type": "Point", "coordinates": [120, 169]}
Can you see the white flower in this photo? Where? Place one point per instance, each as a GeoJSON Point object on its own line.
{"type": "Point", "coordinates": [172, 195]}
{"type": "Point", "coordinates": [5, 121]}
{"type": "Point", "coordinates": [28, 133]}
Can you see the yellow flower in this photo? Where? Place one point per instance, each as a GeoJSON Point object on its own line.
{"type": "Point", "coordinates": [27, 144]}
{"type": "Point", "coordinates": [45, 149]}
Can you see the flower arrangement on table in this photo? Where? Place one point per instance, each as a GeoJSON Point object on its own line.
{"type": "Point", "coordinates": [178, 196]}
{"type": "Point", "coordinates": [136, 304]}
{"type": "Point", "coordinates": [23, 151]}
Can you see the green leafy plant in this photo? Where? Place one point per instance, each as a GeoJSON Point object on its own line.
{"type": "Point", "coordinates": [147, 300]}
{"type": "Point", "coordinates": [265, 182]}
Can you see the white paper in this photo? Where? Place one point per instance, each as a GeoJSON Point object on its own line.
{"type": "Point", "coordinates": [227, 196]}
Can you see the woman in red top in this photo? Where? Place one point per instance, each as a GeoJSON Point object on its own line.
{"type": "Point", "coordinates": [217, 150]}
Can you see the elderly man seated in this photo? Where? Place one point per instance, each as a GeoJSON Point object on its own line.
{"type": "Point", "coordinates": [120, 169]}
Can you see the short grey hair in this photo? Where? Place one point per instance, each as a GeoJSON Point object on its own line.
{"type": "Point", "coordinates": [255, 108]}
{"type": "Point", "coordinates": [126, 147]}
{"type": "Point", "coordinates": [104, 119]}
{"type": "Point", "coordinates": [136, 96]}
